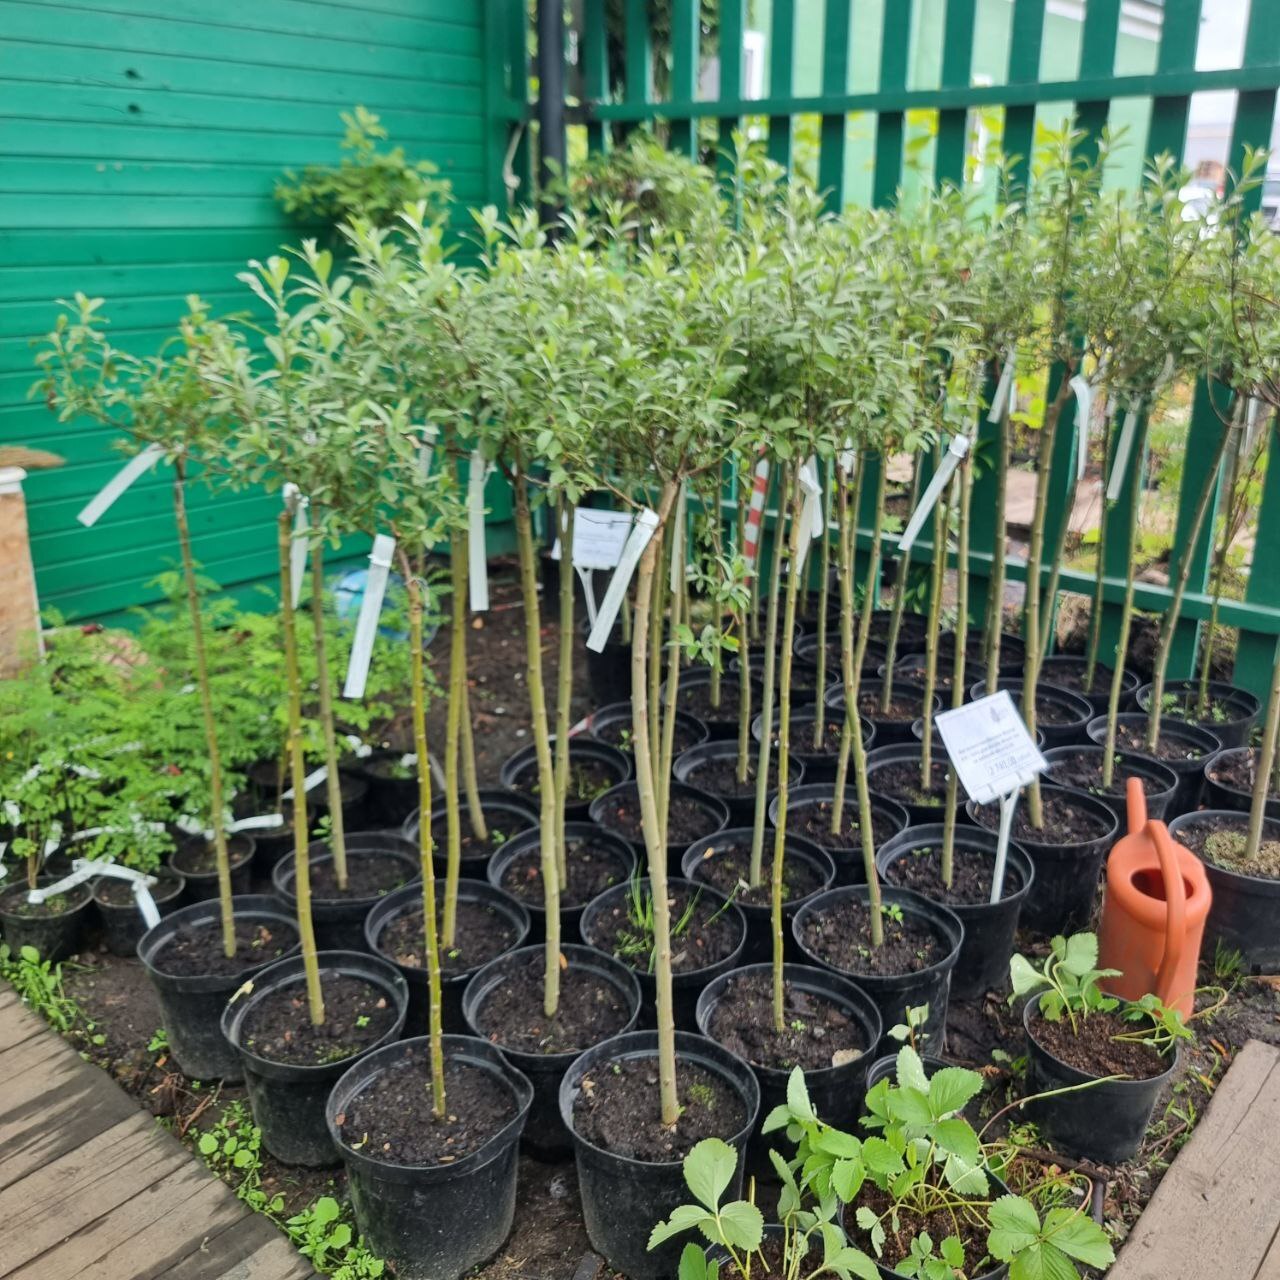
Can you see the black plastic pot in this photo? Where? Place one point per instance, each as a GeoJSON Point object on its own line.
{"type": "Point", "coordinates": [912, 628]}
{"type": "Point", "coordinates": [54, 936]}
{"type": "Point", "coordinates": [389, 798]}
{"type": "Point", "coordinates": [1244, 909]}
{"type": "Point", "coordinates": [434, 1222]}
{"type": "Point", "coordinates": [805, 655]}
{"type": "Point", "coordinates": [759, 943]}
{"type": "Point", "coordinates": [836, 1092]}
{"type": "Point", "coordinates": [544, 1133]}
{"type": "Point", "coordinates": [1239, 706]}
{"type": "Point", "coordinates": [265, 789]}
{"type": "Point", "coordinates": [452, 984]}
{"type": "Point", "coordinates": [203, 885]}
{"type": "Point", "coordinates": [191, 1005]}
{"type": "Point", "coordinates": [887, 731]}
{"type": "Point", "coordinates": [1159, 781]}
{"type": "Point", "coordinates": [339, 922]}
{"type": "Point", "coordinates": [122, 923]}
{"type": "Point", "coordinates": [1067, 671]}
{"type": "Point", "coordinates": [741, 805]}
{"type": "Point", "coordinates": [1222, 795]}
{"type": "Point", "coordinates": [1104, 1123]}
{"type": "Point", "coordinates": [686, 986]}
{"type": "Point", "coordinates": [894, 995]}
{"type": "Point", "coordinates": [887, 818]}
{"type": "Point", "coordinates": [1200, 745]}
{"type": "Point", "coordinates": [288, 1098]}
{"type": "Point", "coordinates": [989, 928]}
{"type": "Point", "coordinates": [819, 766]}
{"type": "Point", "coordinates": [519, 771]}
{"type": "Point", "coordinates": [1073, 711]}
{"type": "Point", "coordinates": [602, 841]}
{"type": "Point", "coordinates": [1062, 895]}
{"type": "Point", "coordinates": [623, 1198]}
{"type": "Point", "coordinates": [614, 719]}
{"type": "Point", "coordinates": [908, 752]}
{"type": "Point", "coordinates": [724, 725]}
{"type": "Point", "coordinates": [609, 671]}
{"type": "Point", "coordinates": [716, 810]}
{"type": "Point", "coordinates": [503, 811]}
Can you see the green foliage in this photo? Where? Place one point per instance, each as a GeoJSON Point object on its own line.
{"type": "Point", "coordinates": [39, 983]}
{"type": "Point", "coordinates": [330, 1242]}
{"type": "Point", "coordinates": [367, 184]}
{"type": "Point", "coordinates": [1070, 976]}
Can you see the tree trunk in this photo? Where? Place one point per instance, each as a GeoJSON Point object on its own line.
{"type": "Point", "coordinates": [899, 601]}
{"type": "Point", "coordinates": [824, 592]}
{"type": "Point", "coordinates": [999, 553]}
{"type": "Point", "coordinates": [333, 779]}
{"type": "Point", "coordinates": [564, 684]}
{"type": "Point", "coordinates": [937, 580]}
{"type": "Point", "coordinates": [453, 737]}
{"type": "Point", "coordinates": [1266, 761]}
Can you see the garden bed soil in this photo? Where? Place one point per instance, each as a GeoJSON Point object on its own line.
{"type": "Point", "coordinates": [695, 698]}
{"type": "Point", "coordinates": [1064, 822]}
{"type": "Point", "coordinates": [1221, 840]}
{"type": "Point", "coordinates": [813, 820]}
{"type": "Point", "coordinates": [921, 870]}
{"type": "Point", "coordinates": [392, 1117]}
{"type": "Point", "coordinates": [1236, 770]}
{"type": "Point", "coordinates": [802, 735]}
{"type": "Point", "coordinates": [900, 708]}
{"type": "Point", "coordinates": [368, 876]}
{"type": "Point", "coordinates": [842, 937]}
{"type": "Point", "coordinates": [198, 857]}
{"type": "Point", "coordinates": [618, 1109]}
{"type": "Point", "coordinates": [502, 825]}
{"type": "Point", "coordinates": [590, 870]}
{"type": "Point", "coordinates": [196, 950]}
{"type": "Point", "coordinates": [482, 933]}
{"type": "Point", "coordinates": [1083, 772]}
{"type": "Point", "coordinates": [709, 938]}
{"type": "Point", "coordinates": [900, 780]}
{"type": "Point", "coordinates": [727, 868]}
{"type": "Point", "coordinates": [1133, 738]}
{"type": "Point", "coordinates": [617, 733]}
{"type": "Point", "coordinates": [915, 672]}
{"type": "Point", "coordinates": [14, 902]}
{"type": "Point", "coordinates": [357, 1014]}
{"type": "Point", "coordinates": [687, 820]}
{"type": "Point", "coordinates": [587, 779]}
{"type": "Point", "coordinates": [719, 775]}
{"type": "Point", "coordinates": [591, 1009]}
{"type": "Point", "coordinates": [939, 1225]}
{"type": "Point", "coordinates": [1092, 1049]}
{"type": "Point", "coordinates": [817, 1033]}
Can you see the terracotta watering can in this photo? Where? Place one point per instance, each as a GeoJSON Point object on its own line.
{"type": "Point", "coordinates": [1154, 912]}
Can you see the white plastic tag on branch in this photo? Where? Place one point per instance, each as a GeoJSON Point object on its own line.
{"type": "Point", "coordinates": [641, 533]}
{"type": "Point", "coordinates": [259, 822]}
{"type": "Point", "coordinates": [677, 538]}
{"type": "Point", "coordinates": [101, 502]}
{"type": "Point", "coordinates": [299, 547]}
{"type": "Point", "coordinates": [310, 782]}
{"type": "Point", "coordinates": [755, 513]}
{"type": "Point", "coordinates": [848, 456]}
{"type": "Point", "coordinates": [477, 551]}
{"type": "Point", "coordinates": [1083, 389]}
{"type": "Point", "coordinates": [811, 512]}
{"type": "Point", "coordinates": [1124, 450]}
{"type": "Point", "coordinates": [426, 449]}
{"type": "Point", "coordinates": [1004, 388]}
{"type": "Point", "coordinates": [956, 450]}
{"type": "Point", "coordinates": [375, 587]}
{"type": "Point", "coordinates": [359, 748]}
{"type": "Point", "coordinates": [1252, 416]}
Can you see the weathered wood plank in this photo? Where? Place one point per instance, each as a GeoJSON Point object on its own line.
{"type": "Point", "coordinates": [1216, 1212]}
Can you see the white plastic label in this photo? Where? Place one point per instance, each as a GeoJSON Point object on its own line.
{"type": "Point", "coordinates": [989, 746]}
{"type": "Point", "coordinates": [755, 513]}
{"type": "Point", "coordinates": [426, 449]}
{"type": "Point", "coordinates": [642, 532]}
{"type": "Point", "coordinates": [477, 549]}
{"type": "Point", "coordinates": [956, 450]}
{"type": "Point", "coordinates": [1083, 389]}
{"type": "Point", "coordinates": [375, 587]}
{"type": "Point", "coordinates": [677, 540]}
{"type": "Point", "coordinates": [1004, 389]}
{"type": "Point", "coordinates": [310, 782]}
{"type": "Point", "coordinates": [598, 538]}
{"type": "Point", "coordinates": [299, 547]}
{"type": "Point", "coordinates": [811, 520]}
{"type": "Point", "coordinates": [101, 502]}
{"type": "Point", "coordinates": [1124, 451]}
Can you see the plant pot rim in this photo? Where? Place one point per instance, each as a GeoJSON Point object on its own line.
{"type": "Point", "coordinates": [701, 1050]}
{"type": "Point", "coordinates": [289, 971]}
{"type": "Point", "coordinates": [973, 840]}
{"type": "Point", "coordinates": [240, 850]}
{"type": "Point", "coordinates": [284, 873]}
{"type": "Point", "coordinates": [1208, 741]}
{"type": "Point", "coordinates": [722, 748]}
{"type": "Point", "coordinates": [83, 888]}
{"type": "Point", "coordinates": [712, 804]}
{"type": "Point", "coordinates": [367, 1068]}
{"type": "Point", "coordinates": [1032, 1003]}
{"type": "Point", "coordinates": [522, 757]}
{"type": "Point", "coordinates": [1044, 689]}
{"type": "Point", "coordinates": [531, 838]}
{"type": "Point", "coordinates": [1234, 695]}
{"type": "Point", "coordinates": [1148, 766]}
{"type": "Point", "coordinates": [1268, 885]}
{"type": "Point", "coordinates": [792, 844]}
{"type": "Point", "coordinates": [1082, 799]}
{"type": "Point", "coordinates": [805, 977]}
{"type": "Point", "coordinates": [810, 793]}
{"type": "Point", "coordinates": [574, 954]}
{"type": "Point", "coordinates": [169, 885]}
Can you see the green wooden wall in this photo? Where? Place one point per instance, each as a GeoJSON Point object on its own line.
{"type": "Point", "coordinates": [141, 140]}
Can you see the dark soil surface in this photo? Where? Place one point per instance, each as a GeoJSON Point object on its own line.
{"type": "Point", "coordinates": [392, 1118]}
{"type": "Point", "coordinates": [1132, 737]}
{"type": "Point", "coordinates": [1065, 823]}
{"type": "Point", "coordinates": [1072, 678]}
{"type": "Point", "coordinates": [1238, 770]}
{"type": "Point", "coordinates": [617, 733]}
{"type": "Point", "coordinates": [695, 698]}
{"type": "Point", "coordinates": [591, 1009]}
{"type": "Point", "coordinates": [687, 820]}
{"type": "Point", "coordinates": [482, 933]}
{"type": "Point", "coordinates": [13, 901]}
{"type": "Point", "coordinates": [817, 1032]}
{"type": "Point", "coordinates": [591, 868]}
{"type": "Point", "coordinates": [917, 673]}
{"type": "Point", "coordinates": [390, 767]}
{"type": "Point", "coordinates": [970, 876]}
{"type": "Point", "coordinates": [841, 936]}
{"type": "Point", "coordinates": [197, 856]}
{"type": "Point", "coordinates": [709, 936]}
{"type": "Point", "coordinates": [901, 706]}
{"type": "Point", "coordinates": [617, 1108]}
{"type": "Point", "coordinates": [719, 776]}
{"type": "Point", "coordinates": [357, 1014]}
{"type": "Point", "coordinates": [587, 779]}
{"type": "Point", "coordinates": [1084, 773]}
{"type": "Point", "coordinates": [1216, 711]}
{"type": "Point", "coordinates": [1223, 840]}
{"type": "Point", "coordinates": [1093, 1049]}
{"type": "Point", "coordinates": [900, 780]}
{"type": "Point", "coordinates": [502, 824]}
{"type": "Point", "coordinates": [197, 949]}
{"type": "Point", "coordinates": [939, 1225]}
{"type": "Point", "coordinates": [802, 736]}
{"type": "Point", "coordinates": [368, 876]}
{"type": "Point", "coordinates": [813, 819]}
{"type": "Point", "coordinates": [119, 893]}
{"type": "Point", "coordinates": [1050, 711]}
{"type": "Point", "coordinates": [727, 868]}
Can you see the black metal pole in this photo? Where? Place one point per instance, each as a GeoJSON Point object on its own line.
{"type": "Point", "coordinates": [552, 145]}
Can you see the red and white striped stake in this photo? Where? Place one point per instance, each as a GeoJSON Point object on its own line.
{"type": "Point", "coordinates": [755, 514]}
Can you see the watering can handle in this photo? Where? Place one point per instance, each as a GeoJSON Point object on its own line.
{"type": "Point", "coordinates": [1136, 803]}
{"type": "Point", "coordinates": [1175, 896]}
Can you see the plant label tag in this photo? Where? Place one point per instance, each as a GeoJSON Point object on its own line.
{"type": "Point", "coordinates": [477, 549]}
{"type": "Point", "coordinates": [102, 501]}
{"type": "Point", "coordinates": [310, 782]}
{"type": "Point", "coordinates": [375, 587]}
{"type": "Point", "coordinates": [677, 538]}
{"type": "Point", "coordinates": [811, 516]}
{"type": "Point", "coordinates": [598, 538]}
{"type": "Point", "coordinates": [755, 514]}
{"type": "Point", "coordinates": [1083, 389]}
{"type": "Point", "coordinates": [989, 746]}
{"type": "Point", "coordinates": [642, 532]}
{"type": "Point", "coordinates": [1124, 451]}
{"type": "Point", "coordinates": [956, 450]}
{"type": "Point", "coordinates": [299, 547]}
{"type": "Point", "coordinates": [1004, 389]}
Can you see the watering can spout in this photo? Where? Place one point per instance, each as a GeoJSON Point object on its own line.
{"type": "Point", "coordinates": [1136, 802]}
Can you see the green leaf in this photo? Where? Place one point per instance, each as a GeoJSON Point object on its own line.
{"type": "Point", "coordinates": [957, 1137]}
{"type": "Point", "coordinates": [683, 1218]}
{"type": "Point", "coordinates": [911, 1070]}
{"type": "Point", "coordinates": [910, 1106]}
{"type": "Point", "coordinates": [693, 1264]}
{"type": "Point", "coordinates": [741, 1225]}
{"type": "Point", "coordinates": [708, 1170]}
{"type": "Point", "coordinates": [778, 1118]}
{"type": "Point", "coordinates": [852, 1261]}
{"type": "Point", "coordinates": [1023, 977]}
{"type": "Point", "coordinates": [847, 1178]}
{"type": "Point", "coordinates": [798, 1096]}
{"type": "Point", "coordinates": [207, 1145]}
{"type": "Point", "coordinates": [1042, 1262]}
{"type": "Point", "coordinates": [837, 1143]}
{"type": "Point", "coordinates": [951, 1088]}
{"type": "Point", "coordinates": [1081, 954]}
{"type": "Point", "coordinates": [1076, 1234]}
{"type": "Point", "coordinates": [880, 1157]}
{"type": "Point", "coordinates": [1015, 1226]}
{"type": "Point", "coordinates": [952, 1251]}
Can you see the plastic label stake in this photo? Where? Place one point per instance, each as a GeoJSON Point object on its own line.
{"type": "Point", "coordinates": [1004, 388]}
{"type": "Point", "coordinates": [426, 449]}
{"type": "Point", "coordinates": [83, 869]}
{"type": "Point", "coordinates": [598, 540]}
{"type": "Point", "coordinates": [375, 587]}
{"type": "Point", "coordinates": [102, 501]}
{"type": "Point", "coordinates": [1124, 450]}
{"type": "Point", "coordinates": [309, 783]}
{"type": "Point", "coordinates": [811, 517]}
{"type": "Point", "coordinates": [477, 549]}
{"type": "Point", "coordinates": [956, 450]}
{"type": "Point", "coordinates": [642, 531]}
{"type": "Point", "coordinates": [677, 538]}
{"type": "Point", "coordinates": [299, 547]}
{"type": "Point", "coordinates": [755, 514]}
{"type": "Point", "coordinates": [1083, 389]}
{"type": "Point", "coordinates": [1008, 803]}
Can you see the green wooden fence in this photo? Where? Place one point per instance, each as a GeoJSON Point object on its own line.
{"type": "Point", "coordinates": [1156, 98]}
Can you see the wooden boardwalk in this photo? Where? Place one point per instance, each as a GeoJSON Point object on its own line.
{"type": "Point", "coordinates": [91, 1186]}
{"type": "Point", "coordinates": [1217, 1211]}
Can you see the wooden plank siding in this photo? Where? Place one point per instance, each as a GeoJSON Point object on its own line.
{"type": "Point", "coordinates": [141, 142]}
